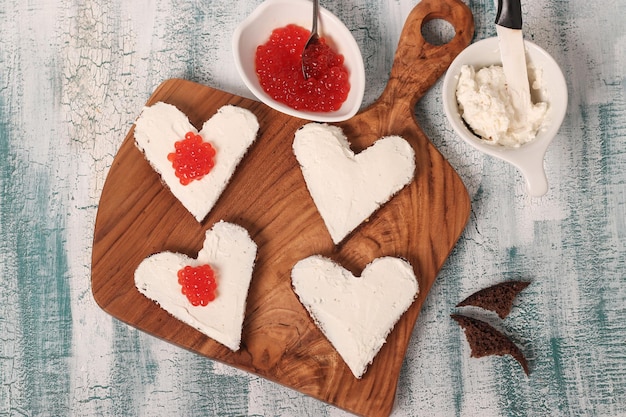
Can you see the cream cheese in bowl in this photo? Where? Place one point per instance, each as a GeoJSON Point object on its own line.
{"type": "Point", "coordinates": [486, 106]}
{"type": "Point", "coordinates": [548, 86]}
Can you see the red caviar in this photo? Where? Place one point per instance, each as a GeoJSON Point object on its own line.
{"type": "Point", "coordinates": [192, 159]}
{"type": "Point", "coordinates": [198, 284]}
{"type": "Point", "coordinates": [279, 69]}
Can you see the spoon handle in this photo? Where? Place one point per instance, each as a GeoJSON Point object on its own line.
{"type": "Point", "coordinates": [316, 8]}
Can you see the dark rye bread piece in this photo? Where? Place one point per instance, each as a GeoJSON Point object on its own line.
{"type": "Point", "coordinates": [498, 298]}
{"type": "Point", "coordinates": [485, 340]}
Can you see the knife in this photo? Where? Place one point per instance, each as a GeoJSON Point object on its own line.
{"type": "Point", "coordinates": [513, 53]}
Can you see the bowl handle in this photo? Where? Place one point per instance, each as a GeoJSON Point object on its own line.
{"type": "Point", "coordinates": [536, 179]}
{"type": "Point", "coordinates": [529, 160]}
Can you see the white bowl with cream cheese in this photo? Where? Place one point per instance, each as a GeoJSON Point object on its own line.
{"type": "Point", "coordinates": [272, 14]}
{"type": "Point", "coordinates": [551, 88]}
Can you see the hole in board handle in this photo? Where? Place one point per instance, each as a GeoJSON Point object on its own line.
{"type": "Point", "coordinates": [437, 31]}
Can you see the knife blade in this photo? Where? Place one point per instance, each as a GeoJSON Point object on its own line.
{"type": "Point", "coordinates": [513, 53]}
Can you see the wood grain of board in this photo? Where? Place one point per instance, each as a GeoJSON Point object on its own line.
{"type": "Point", "coordinates": [138, 216]}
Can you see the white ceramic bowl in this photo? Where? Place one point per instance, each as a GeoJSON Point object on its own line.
{"type": "Point", "coordinates": [271, 14]}
{"type": "Point", "coordinates": [528, 158]}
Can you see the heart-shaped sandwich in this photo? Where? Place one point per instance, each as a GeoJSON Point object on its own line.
{"type": "Point", "coordinates": [347, 187]}
{"type": "Point", "coordinates": [356, 314]}
{"type": "Point", "coordinates": [229, 253]}
{"type": "Point", "coordinates": [196, 166]}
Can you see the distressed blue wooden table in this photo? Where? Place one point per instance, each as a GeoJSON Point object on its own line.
{"type": "Point", "coordinates": [75, 74]}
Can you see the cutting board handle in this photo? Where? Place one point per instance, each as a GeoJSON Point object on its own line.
{"type": "Point", "coordinates": [418, 64]}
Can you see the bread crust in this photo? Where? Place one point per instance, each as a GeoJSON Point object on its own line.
{"type": "Point", "coordinates": [485, 340]}
{"type": "Point", "coordinates": [497, 298]}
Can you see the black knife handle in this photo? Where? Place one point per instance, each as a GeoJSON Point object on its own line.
{"type": "Point", "coordinates": [509, 14]}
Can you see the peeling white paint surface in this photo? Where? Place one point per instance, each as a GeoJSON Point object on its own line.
{"type": "Point", "coordinates": [74, 75]}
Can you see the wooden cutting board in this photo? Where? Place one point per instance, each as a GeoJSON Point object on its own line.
{"type": "Point", "coordinates": [138, 216]}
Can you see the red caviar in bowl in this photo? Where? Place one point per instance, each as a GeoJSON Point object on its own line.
{"type": "Point", "coordinates": [279, 69]}
{"type": "Point", "coordinates": [192, 159]}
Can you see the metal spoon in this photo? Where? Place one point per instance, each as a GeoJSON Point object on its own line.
{"type": "Point", "coordinates": [311, 42]}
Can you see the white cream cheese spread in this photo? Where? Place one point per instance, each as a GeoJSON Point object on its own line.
{"type": "Point", "coordinates": [230, 131]}
{"type": "Point", "coordinates": [347, 187]}
{"type": "Point", "coordinates": [487, 108]}
{"type": "Point", "coordinates": [356, 314]}
{"type": "Point", "coordinates": [231, 253]}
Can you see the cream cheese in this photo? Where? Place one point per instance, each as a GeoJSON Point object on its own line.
{"type": "Point", "coordinates": [487, 108]}
{"type": "Point", "coordinates": [230, 131]}
{"type": "Point", "coordinates": [347, 187]}
{"type": "Point", "coordinates": [356, 314]}
{"type": "Point", "coordinates": [231, 253]}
